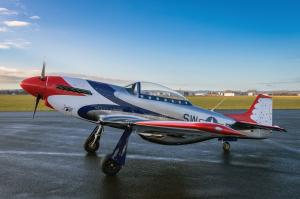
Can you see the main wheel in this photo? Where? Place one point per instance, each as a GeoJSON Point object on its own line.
{"type": "Point", "coordinates": [109, 166]}
{"type": "Point", "coordinates": [226, 146]}
{"type": "Point", "coordinates": [90, 145]}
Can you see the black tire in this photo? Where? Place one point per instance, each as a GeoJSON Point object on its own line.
{"type": "Point", "coordinates": [109, 166]}
{"type": "Point", "coordinates": [226, 146]}
{"type": "Point", "coordinates": [89, 147]}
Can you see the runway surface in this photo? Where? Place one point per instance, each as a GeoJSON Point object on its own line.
{"type": "Point", "coordinates": [44, 158]}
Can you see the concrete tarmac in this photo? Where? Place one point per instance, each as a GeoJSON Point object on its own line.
{"type": "Point", "coordinates": [44, 158]}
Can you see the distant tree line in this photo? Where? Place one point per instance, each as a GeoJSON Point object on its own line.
{"type": "Point", "coordinates": [12, 92]}
{"type": "Point", "coordinates": [238, 93]}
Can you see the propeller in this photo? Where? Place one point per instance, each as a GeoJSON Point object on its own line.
{"type": "Point", "coordinates": [43, 71]}
{"type": "Point", "coordinates": [37, 100]}
{"type": "Point", "coordinates": [39, 96]}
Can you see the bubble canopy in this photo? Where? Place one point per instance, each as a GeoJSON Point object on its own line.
{"type": "Point", "coordinates": [149, 89]}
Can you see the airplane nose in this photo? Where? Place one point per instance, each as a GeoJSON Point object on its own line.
{"type": "Point", "coordinates": [34, 86]}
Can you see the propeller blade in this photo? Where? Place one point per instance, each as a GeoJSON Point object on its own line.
{"type": "Point", "coordinates": [37, 100]}
{"type": "Point", "coordinates": [43, 71]}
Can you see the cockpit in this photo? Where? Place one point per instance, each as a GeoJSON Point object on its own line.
{"type": "Point", "coordinates": [152, 91]}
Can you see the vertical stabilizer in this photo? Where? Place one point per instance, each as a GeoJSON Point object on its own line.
{"type": "Point", "coordinates": [260, 112]}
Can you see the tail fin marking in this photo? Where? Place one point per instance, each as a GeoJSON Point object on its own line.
{"type": "Point", "coordinates": [260, 112]}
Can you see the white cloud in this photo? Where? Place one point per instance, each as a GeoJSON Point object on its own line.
{"type": "Point", "coordinates": [3, 45]}
{"type": "Point", "coordinates": [13, 76]}
{"type": "Point", "coordinates": [16, 23]}
{"type": "Point", "coordinates": [3, 29]}
{"type": "Point", "coordinates": [4, 70]}
{"type": "Point", "coordinates": [10, 75]}
{"type": "Point", "coordinates": [34, 17]}
{"type": "Point", "coordinates": [5, 11]}
{"type": "Point", "coordinates": [19, 43]}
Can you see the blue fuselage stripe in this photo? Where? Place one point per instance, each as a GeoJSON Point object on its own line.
{"type": "Point", "coordinates": [108, 92]}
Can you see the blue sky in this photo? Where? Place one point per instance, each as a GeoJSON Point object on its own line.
{"type": "Point", "coordinates": [182, 44]}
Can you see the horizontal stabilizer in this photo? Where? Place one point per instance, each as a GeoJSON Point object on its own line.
{"type": "Point", "coordinates": [259, 126]}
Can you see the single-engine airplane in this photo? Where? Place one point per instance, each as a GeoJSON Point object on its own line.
{"type": "Point", "coordinates": [156, 113]}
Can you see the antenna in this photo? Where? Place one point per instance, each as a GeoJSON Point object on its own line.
{"type": "Point", "coordinates": [213, 109]}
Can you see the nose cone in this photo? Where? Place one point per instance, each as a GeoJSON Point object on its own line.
{"type": "Point", "coordinates": [34, 86]}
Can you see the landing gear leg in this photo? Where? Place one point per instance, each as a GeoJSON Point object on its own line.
{"type": "Point", "coordinates": [226, 146]}
{"type": "Point", "coordinates": [91, 144]}
{"type": "Point", "coordinates": [113, 163]}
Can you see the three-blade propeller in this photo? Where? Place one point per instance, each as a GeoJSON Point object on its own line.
{"type": "Point", "coordinates": [39, 96]}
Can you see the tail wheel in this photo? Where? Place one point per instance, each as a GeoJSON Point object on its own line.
{"type": "Point", "coordinates": [226, 146]}
{"type": "Point", "coordinates": [110, 166]}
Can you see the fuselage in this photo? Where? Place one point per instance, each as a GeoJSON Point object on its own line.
{"type": "Point", "coordinates": [89, 100]}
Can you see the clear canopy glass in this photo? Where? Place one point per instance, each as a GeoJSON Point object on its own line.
{"type": "Point", "coordinates": [153, 89]}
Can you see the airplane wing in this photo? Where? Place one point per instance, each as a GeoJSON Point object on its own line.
{"type": "Point", "coordinates": [171, 132]}
{"type": "Point", "coordinates": [190, 128]}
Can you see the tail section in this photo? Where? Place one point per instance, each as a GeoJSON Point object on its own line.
{"type": "Point", "coordinates": [259, 113]}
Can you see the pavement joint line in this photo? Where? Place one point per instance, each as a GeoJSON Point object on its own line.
{"type": "Point", "coordinates": [131, 156]}
{"type": "Point", "coordinates": [139, 157]}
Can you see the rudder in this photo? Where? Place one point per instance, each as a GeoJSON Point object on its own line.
{"type": "Point", "coordinates": [260, 112]}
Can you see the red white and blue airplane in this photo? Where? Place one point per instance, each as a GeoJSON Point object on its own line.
{"type": "Point", "coordinates": [156, 113]}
